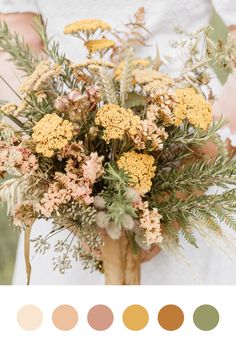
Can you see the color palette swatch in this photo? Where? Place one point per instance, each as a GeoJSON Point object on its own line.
{"type": "Point", "coordinates": [30, 317]}
{"type": "Point", "coordinates": [100, 317]}
{"type": "Point", "coordinates": [171, 317]}
{"type": "Point", "coordinates": [134, 317]}
{"type": "Point", "coordinates": [65, 317]}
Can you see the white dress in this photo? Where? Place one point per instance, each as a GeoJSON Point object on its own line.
{"type": "Point", "coordinates": [208, 266]}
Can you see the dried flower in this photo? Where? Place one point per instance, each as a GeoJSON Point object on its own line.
{"type": "Point", "coordinates": [62, 263]}
{"type": "Point", "coordinates": [113, 230]}
{"type": "Point", "coordinates": [150, 223]}
{"type": "Point", "coordinates": [136, 64]}
{"type": "Point", "coordinates": [141, 169]}
{"type": "Point", "coordinates": [94, 62]}
{"type": "Point", "coordinates": [52, 133]}
{"type": "Point", "coordinates": [93, 95]}
{"type": "Point", "coordinates": [41, 244]}
{"type": "Point", "coordinates": [102, 219]}
{"type": "Point", "coordinates": [24, 214]}
{"type": "Point", "coordinates": [18, 158]}
{"type": "Point", "coordinates": [117, 121]}
{"type": "Point", "coordinates": [99, 45]}
{"type": "Point", "coordinates": [62, 104]}
{"type": "Point", "coordinates": [127, 222]}
{"type": "Point", "coordinates": [132, 195]}
{"type": "Point", "coordinates": [87, 26]}
{"type": "Point", "coordinates": [52, 200]}
{"type": "Point", "coordinates": [194, 107]}
{"type": "Point", "coordinates": [153, 82]}
{"type": "Point", "coordinates": [8, 109]}
{"type": "Point", "coordinates": [75, 95]}
{"type": "Point", "coordinates": [149, 135]}
{"type": "Point", "coordinates": [99, 202]}
{"type": "Point", "coordinates": [42, 74]}
{"type": "Point", "coordinates": [92, 169]}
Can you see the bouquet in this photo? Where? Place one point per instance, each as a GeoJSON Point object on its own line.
{"type": "Point", "coordinates": [110, 148]}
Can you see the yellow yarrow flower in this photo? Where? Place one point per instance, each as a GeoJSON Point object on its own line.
{"type": "Point", "coordinates": [194, 107]}
{"type": "Point", "coordinates": [52, 133]}
{"type": "Point", "coordinates": [138, 63]}
{"type": "Point", "coordinates": [99, 45]}
{"type": "Point", "coordinates": [88, 26]}
{"type": "Point", "coordinates": [117, 121]}
{"type": "Point", "coordinates": [141, 169]}
{"type": "Point", "coordinates": [94, 62]}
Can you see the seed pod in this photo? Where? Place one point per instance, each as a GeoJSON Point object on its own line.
{"type": "Point", "coordinates": [62, 104]}
{"type": "Point", "coordinates": [75, 95]}
{"type": "Point", "coordinates": [113, 231]}
{"type": "Point", "coordinates": [127, 222]}
{"type": "Point", "coordinates": [93, 131]}
{"type": "Point", "coordinates": [99, 202]}
{"type": "Point", "coordinates": [102, 219]}
{"type": "Point", "coordinates": [204, 78]}
{"type": "Point", "coordinates": [132, 195]}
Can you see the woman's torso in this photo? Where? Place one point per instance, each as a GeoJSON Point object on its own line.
{"type": "Point", "coordinates": [161, 19]}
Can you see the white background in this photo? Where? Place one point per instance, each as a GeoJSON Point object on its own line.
{"type": "Point", "coordinates": [117, 339]}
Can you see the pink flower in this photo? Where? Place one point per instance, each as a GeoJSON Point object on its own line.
{"type": "Point", "coordinates": [92, 168]}
{"type": "Point", "coordinates": [150, 223]}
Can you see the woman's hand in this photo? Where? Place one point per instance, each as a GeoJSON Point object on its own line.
{"type": "Point", "coordinates": [145, 255]}
{"type": "Point", "coordinates": [148, 255]}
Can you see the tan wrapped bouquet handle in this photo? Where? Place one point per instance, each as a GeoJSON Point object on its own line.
{"type": "Point", "coordinates": [121, 266]}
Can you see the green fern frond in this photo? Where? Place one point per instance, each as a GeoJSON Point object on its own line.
{"type": "Point", "coordinates": [186, 231]}
{"type": "Point", "coordinates": [208, 218]}
{"type": "Point", "coordinates": [198, 176]}
{"type": "Point", "coordinates": [225, 217]}
{"type": "Point", "coordinates": [188, 137]}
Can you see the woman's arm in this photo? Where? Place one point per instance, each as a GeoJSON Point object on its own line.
{"type": "Point", "coordinates": [22, 23]}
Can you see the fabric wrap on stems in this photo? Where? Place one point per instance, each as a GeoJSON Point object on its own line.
{"type": "Point", "coordinates": [121, 266]}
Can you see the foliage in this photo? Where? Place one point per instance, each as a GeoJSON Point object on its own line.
{"type": "Point", "coordinates": [71, 171]}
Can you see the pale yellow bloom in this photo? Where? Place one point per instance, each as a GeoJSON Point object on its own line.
{"type": "Point", "coordinates": [194, 107]}
{"type": "Point", "coordinates": [145, 76]}
{"type": "Point", "coordinates": [94, 62]}
{"type": "Point", "coordinates": [117, 121]}
{"type": "Point", "coordinates": [154, 83]}
{"type": "Point", "coordinates": [138, 63]}
{"type": "Point", "coordinates": [8, 109]}
{"type": "Point", "coordinates": [141, 169]}
{"type": "Point", "coordinates": [88, 26]}
{"type": "Point", "coordinates": [99, 45]}
{"type": "Point", "coordinates": [52, 133]}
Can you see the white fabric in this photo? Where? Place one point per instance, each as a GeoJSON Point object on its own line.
{"type": "Point", "coordinates": [162, 16]}
{"type": "Point", "coordinates": [225, 134]}
{"type": "Point", "coordinates": [11, 6]}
